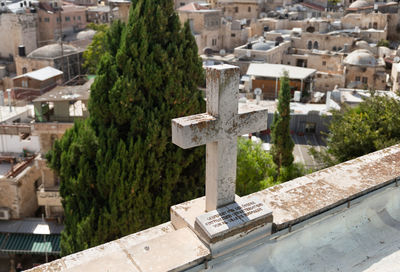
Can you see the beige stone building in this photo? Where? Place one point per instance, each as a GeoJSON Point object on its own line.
{"type": "Point", "coordinates": [65, 58]}
{"type": "Point", "coordinates": [33, 84]}
{"type": "Point", "coordinates": [395, 77]}
{"type": "Point", "coordinates": [364, 71]}
{"type": "Point", "coordinates": [20, 29]}
{"type": "Point", "coordinates": [205, 24]}
{"type": "Point", "coordinates": [119, 9]}
{"type": "Point", "coordinates": [319, 41]}
{"type": "Point", "coordinates": [365, 21]}
{"type": "Point", "coordinates": [240, 9]}
{"type": "Point", "coordinates": [52, 21]}
{"type": "Point", "coordinates": [265, 51]}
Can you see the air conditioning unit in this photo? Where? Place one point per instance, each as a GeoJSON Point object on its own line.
{"type": "Point", "coordinates": [4, 213]}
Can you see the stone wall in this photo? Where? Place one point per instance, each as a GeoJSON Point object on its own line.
{"type": "Point", "coordinates": [325, 82]}
{"type": "Point", "coordinates": [238, 10]}
{"type": "Point", "coordinates": [27, 191]}
{"type": "Point", "coordinates": [365, 21]}
{"type": "Point", "coordinates": [376, 77]}
{"type": "Point", "coordinates": [19, 193]}
{"type": "Point", "coordinates": [31, 64]}
{"type": "Point", "coordinates": [324, 41]}
{"type": "Point", "coordinates": [330, 63]}
{"type": "Point", "coordinates": [20, 29]}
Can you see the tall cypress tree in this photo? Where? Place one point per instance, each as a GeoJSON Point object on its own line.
{"type": "Point", "coordinates": [282, 148]}
{"type": "Point", "coordinates": [119, 171]}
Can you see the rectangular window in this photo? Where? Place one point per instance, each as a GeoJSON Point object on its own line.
{"type": "Point", "coordinates": [47, 20]}
{"type": "Point", "coordinates": [365, 80]}
{"type": "Point", "coordinates": [58, 19]}
{"type": "Point", "coordinates": [233, 35]}
{"type": "Point", "coordinates": [324, 63]}
{"type": "Point", "coordinates": [67, 18]}
{"type": "Point", "coordinates": [79, 18]}
{"type": "Point", "coordinates": [24, 83]}
{"type": "Point", "coordinates": [358, 79]}
{"type": "Point", "coordinates": [40, 20]}
{"type": "Point", "coordinates": [182, 4]}
{"type": "Point", "coordinates": [236, 9]}
{"type": "Point", "coordinates": [249, 9]}
{"type": "Point", "coordinates": [73, 18]}
{"type": "Point", "coordinates": [214, 42]}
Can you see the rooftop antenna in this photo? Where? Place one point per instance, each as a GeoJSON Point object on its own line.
{"type": "Point", "coordinates": [60, 27]}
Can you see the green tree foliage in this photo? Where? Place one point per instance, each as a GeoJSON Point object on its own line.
{"type": "Point", "coordinates": [371, 126]}
{"type": "Point", "coordinates": [119, 170]}
{"type": "Point", "coordinates": [256, 169]}
{"type": "Point", "coordinates": [282, 148]}
{"type": "Point", "coordinates": [96, 49]}
{"type": "Point", "coordinates": [383, 42]}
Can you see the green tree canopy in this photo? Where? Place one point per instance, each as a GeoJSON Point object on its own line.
{"type": "Point", "coordinates": [282, 148]}
{"type": "Point", "coordinates": [372, 125]}
{"type": "Point", "coordinates": [256, 169]}
{"type": "Point", "coordinates": [96, 49]}
{"type": "Point", "coordinates": [119, 170]}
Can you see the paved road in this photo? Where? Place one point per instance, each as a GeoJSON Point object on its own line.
{"type": "Point", "coordinates": [302, 145]}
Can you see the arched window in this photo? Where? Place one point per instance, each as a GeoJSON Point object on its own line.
{"type": "Point", "coordinates": [24, 70]}
{"type": "Point", "coordinates": [334, 48]}
{"type": "Point", "coordinates": [309, 45]}
{"type": "Point", "coordinates": [315, 45]}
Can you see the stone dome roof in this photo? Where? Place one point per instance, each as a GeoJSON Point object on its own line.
{"type": "Point", "coordinates": [85, 34]}
{"type": "Point", "coordinates": [361, 57]}
{"type": "Point", "coordinates": [359, 4]}
{"type": "Point", "coordinates": [261, 46]}
{"type": "Point", "coordinates": [52, 51]}
{"type": "Point", "coordinates": [363, 45]}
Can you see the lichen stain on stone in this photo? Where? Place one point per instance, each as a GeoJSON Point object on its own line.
{"type": "Point", "coordinates": [201, 251]}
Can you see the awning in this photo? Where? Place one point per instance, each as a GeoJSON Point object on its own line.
{"type": "Point", "coordinates": [18, 243]}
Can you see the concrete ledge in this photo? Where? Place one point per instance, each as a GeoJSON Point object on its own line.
{"type": "Point", "coordinates": [160, 248]}
{"type": "Point", "coordinates": [299, 199]}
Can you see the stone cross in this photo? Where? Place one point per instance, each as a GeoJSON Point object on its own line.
{"type": "Point", "coordinates": [219, 128]}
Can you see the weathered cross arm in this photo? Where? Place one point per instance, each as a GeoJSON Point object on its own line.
{"type": "Point", "coordinates": [200, 129]}
{"type": "Point", "coordinates": [194, 130]}
{"type": "Point", "coordinates": [253, 116]}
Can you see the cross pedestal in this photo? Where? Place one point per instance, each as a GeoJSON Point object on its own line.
{"type": "Point", "coordinates": [219, 128]}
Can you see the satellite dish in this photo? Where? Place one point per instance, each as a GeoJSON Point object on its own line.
{"type": "Point", "coordinates": [257, 91]}
{"type": "Point", "coordinates": [396, 59]}
{"type": "Point", "coordinates": [222, 52]}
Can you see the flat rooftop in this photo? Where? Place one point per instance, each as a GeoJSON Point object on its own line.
{"type": "Point", "coordinates": [67, 93]}
{"type": "Point", "coordinates": [16, 112]}
{"type": "Point", "coordinates": [270, 70]}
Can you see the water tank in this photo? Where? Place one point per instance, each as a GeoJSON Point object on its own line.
{"type": "Point", "coordinates": [21, 51]}
{"type": "Point", "coordinates": [297, 96]}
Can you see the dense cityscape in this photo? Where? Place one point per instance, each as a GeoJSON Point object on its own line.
{"type": "Point", "coordinates": [223, 135]}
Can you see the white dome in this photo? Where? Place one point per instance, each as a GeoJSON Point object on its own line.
{"type": "Point", "coordinates": [359, 4]}
{"type": "Point", "coordinates": [85, 34]}
{"type": "Point", "coordinates": [52, 51]}
{"type": "Point", "coordinates": [361, 57]}
{"type": "Point", "coordinates": [261, 46]}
